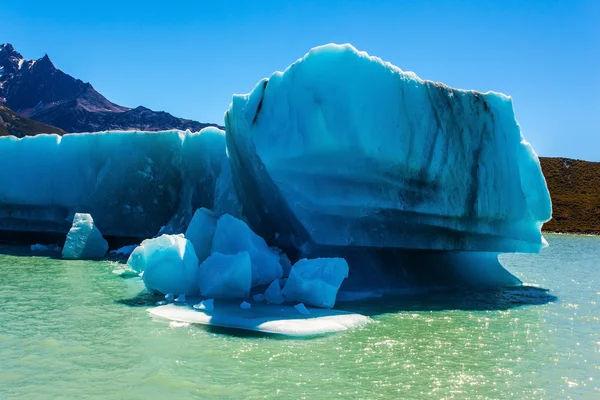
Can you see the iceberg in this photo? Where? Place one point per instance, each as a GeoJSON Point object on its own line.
{"type": "Point", "coordinates": [84, 240]}
{"type": "Point", "coordinates": [316, 282]}
{"type": "Point", "coordinates": [343, 149]}
{"type": "Point", "coordinates": [133, 183]}
{"type": "Point", "coordinates": [223, 276]}
{"type": "Point", "coordinates": [168, 263]}
{"type": "Point", "coordinates": [200, 232]}
{"type": "Point", "coordinates": [343, 173]}
{"type": "Point", "coordinates": [233, 236]}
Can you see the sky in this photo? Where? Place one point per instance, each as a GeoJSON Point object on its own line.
{"type": "Point", "coordinates": [189, 57]}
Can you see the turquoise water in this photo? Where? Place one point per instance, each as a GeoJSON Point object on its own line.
{"type": "Point", "coordinates": [74, 330]}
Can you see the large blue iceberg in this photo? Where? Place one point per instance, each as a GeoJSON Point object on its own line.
{"type": "Point", "coordinates": [413, 183]}
{"type": "Point", "coordinates": [343, 149]}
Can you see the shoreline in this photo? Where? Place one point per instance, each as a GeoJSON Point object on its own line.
{"type": "Point", "coordinates": [591, 233]}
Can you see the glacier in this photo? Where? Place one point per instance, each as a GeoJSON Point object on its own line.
{"type": "Point", "coordinates": [344, 174]}
{"type": "Point", "coordinates": [343, 149]}
{"type": "Point", "coordinates": [84, 240]}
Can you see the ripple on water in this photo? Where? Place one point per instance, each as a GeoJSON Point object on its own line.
{"type": "Point", "coordinates": [76, 330]}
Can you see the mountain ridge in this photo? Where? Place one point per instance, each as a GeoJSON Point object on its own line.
{"type": "Point", "coordinates": [14, 124]}
{"type": "Point", "coordinates": [36, 89]}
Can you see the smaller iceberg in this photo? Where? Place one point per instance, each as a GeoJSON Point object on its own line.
{"type": "Point", "coordinates": [224, 276]}
{"type": "Point", "coordinates": [316, 282]}
{"type": "Point", "coordinates": [233, 236]}
{"type": "Point", "coordinates": [200, 232]}
{"type": "Point", "coordinates": [168, 263]}
{"type": "Point", "coordinates": [84, 240]}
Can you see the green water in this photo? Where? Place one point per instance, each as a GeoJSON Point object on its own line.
{"type": "Point", "coordinates": [74, 330]}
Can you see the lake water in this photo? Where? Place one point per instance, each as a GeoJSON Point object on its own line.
{"type": "Point", "coordinates": [74, 330]}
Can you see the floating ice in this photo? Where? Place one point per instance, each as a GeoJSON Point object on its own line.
{"type": "Point", "coordinates": [84, 240]}
{"type": "Point", "coordinates": [245, 305]}
{"type": "Point", "coordinates": [206, 305]}
{"type": "Point", "coordinates": [169, 264]}
{"type": "Point", "coordinates": [316, 282]}
{"type": "Point", "coordinates": [39, 247]}
{"type": "Point", "coordinates": [302, 309]}
{"type": "Point", "coordinates": [225, 276]}
{"type": "Point", "coordinates": [281, 320]}
{"type": "Point", "coordinates": [233, 236]}
{"type": "Point", "coordinates": [258, 297]}
{"type": "Point", "coordinates": [201, 231]}
{"type": "Point", "coordinates": [342, 149]}
{"type": "Point", "coordinates": [273, 293]}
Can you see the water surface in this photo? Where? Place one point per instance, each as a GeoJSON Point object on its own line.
{"type": "Point", "coordinates": [74, 330]}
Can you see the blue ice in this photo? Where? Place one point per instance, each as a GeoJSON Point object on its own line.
{"type": "Point", "coordinates": [233, 236]}
{"type": "Point", "coordinates": [168, 263]}
{"type": "Point", "coordinates": [316, 282]}
{"type": "Point", "coordinates": [84, 240]}
{"type": "Point", "coordinates": [343, 149]}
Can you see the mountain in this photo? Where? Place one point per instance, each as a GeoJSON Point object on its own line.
{"type": "Point", "coordinates": [36, 89]}
{"type": "Point", "coordinates": [12, 123]}
{"type": "Point", "coordinates": [574, 187]}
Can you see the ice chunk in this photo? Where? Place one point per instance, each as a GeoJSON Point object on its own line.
{"type": "Point", "coordinates": [302, 309]}
{"type": "Point", "coordinates": [168, 263]}
{"type": "Point", "coordinates": [258, 297]}
{"type": "Point", "coordinates": [201, 231]}
{"type": "Point", "coordinates": [273, 293]}
{"type": "Point", "coordinates": [225, 276]}
{"type": "Point", "coordinates": [206, 305]}
{"type": "Point", "coordinates": [233, 236]}
{"type": "Point", "coordinates": [132, 183]}
{"type": "Point", "coordinates": [39, 247]}
{"type": "Point", "coordinates": [84, 240]}
{"type": "Point", "coordinates": [245, 305]}
{"type": "Point", "coordinates": [316, 282]}
{"type": "Point", "coordinates": [342, 149]}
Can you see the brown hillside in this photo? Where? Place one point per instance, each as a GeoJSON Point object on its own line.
{"type": "Point", "coordinates": [574, 187]}
{"type": "Point", "coordinates": [12, 123]}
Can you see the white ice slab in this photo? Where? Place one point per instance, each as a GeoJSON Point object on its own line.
{"type": "Point", "coordinates": [268, 318]}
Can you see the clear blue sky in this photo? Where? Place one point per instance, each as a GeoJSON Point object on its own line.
{"type": "Point", "coordinates": [189, 57]}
